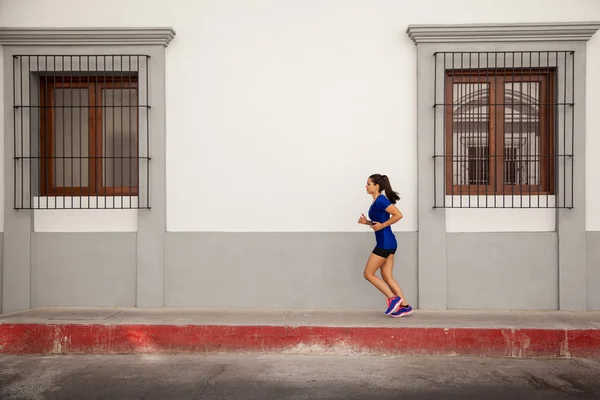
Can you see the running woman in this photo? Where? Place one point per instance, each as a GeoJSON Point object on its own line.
{"type": "Point", "coordinates": [383, 213]}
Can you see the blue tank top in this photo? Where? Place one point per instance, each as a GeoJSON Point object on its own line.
{"type": "Point", "coordinates": [385, 237]}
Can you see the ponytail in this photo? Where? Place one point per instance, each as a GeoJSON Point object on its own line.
{"type": "Point", "coordinates": [385, 186]}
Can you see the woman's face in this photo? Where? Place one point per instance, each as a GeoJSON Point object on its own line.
{"type": "Point", "coordinates": [371, 187]}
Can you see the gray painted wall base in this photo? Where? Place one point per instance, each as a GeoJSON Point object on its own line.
{"type": "Point", "coordinates": [83, 269]}
{"type": "Point", "coordinates": [16, 261]}
{"type": "Point", "coordinates": [593, 270]}
{"type": "Point", "coordinates": [299, 270]}
{"type": "Point", "coordinates": [280, 270]}
{"type": "Point", "coordinates": [502, 270]}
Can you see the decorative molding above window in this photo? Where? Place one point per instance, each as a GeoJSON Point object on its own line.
{"type": "Point", "coordinates": [86, 36]}
{"type": "Point", "coordinates": [521, 32]}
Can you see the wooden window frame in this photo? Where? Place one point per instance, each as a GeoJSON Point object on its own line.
{"type": "Point", "coordinates": [95, 86]}
{"type": "Point", "coordinates": [496, 80]}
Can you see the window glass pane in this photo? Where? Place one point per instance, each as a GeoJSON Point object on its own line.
{"type": "Point", "coordinates": [521, 133]}
{"type": "Point", "coordinates": [470, 134]}
{"type": "Point", "coordinates": [119, 137]}
{"type": "Point", "coordinates": [71, 138]}
{"type": "Point", "coordinates": [478, 165]}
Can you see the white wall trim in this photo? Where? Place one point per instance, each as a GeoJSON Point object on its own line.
{"type": "Point", "coordinates": [85, 36]}
{"type": "Point", "coordinates": [522, 32]}
{"type": "Point", "coordinates": [485, 220]}
{"type": "Point", "coordinates": [85, 214]}
{"type": "Point", "coordinates": [85, 220]}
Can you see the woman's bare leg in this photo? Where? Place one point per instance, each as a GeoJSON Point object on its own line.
{"type": "Point", "coordinates": [388, 277]}
{"type": "Point", "coordinates": [373, 264]}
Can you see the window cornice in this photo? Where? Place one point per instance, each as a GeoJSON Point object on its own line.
{"type": "Point", "coordinates": [86, 36]}
{"type": "Point", "coordinates": [521, 32]}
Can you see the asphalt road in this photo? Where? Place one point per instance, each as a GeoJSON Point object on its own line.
{"type": "Point", "coordinates": [252, 376]}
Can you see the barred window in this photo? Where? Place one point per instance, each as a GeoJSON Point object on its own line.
{"type": "Point", "coordinates": [506, 127]}
{"type": "Point", "coordinates": [81, 131]}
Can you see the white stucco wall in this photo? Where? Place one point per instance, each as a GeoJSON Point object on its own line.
{"type": "Point", "coordinates": [277, 111]}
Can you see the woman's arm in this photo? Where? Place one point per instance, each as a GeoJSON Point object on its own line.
{"type": "Point", "coordinates": [396, 216]}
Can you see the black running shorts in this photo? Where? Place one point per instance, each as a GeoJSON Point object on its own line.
{"type": "Point", "coordinates": [385, 253]}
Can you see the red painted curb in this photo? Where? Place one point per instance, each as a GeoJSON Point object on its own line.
{"type": "Point", "coordinates": [130, 339]}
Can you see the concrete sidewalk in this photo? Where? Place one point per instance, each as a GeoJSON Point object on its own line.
{"type": "Point", "coordinates": [180, 316]}
{"type": "Point", "coordinates": [61, 330]}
